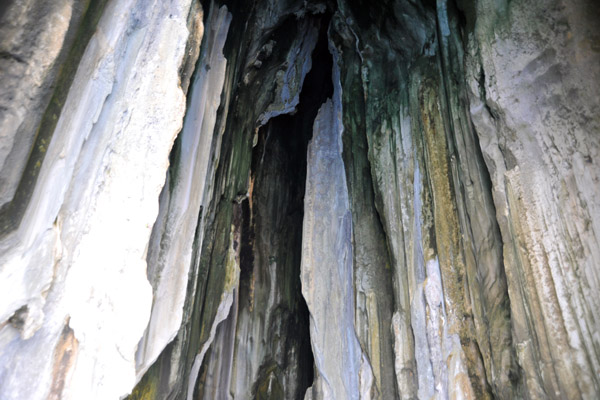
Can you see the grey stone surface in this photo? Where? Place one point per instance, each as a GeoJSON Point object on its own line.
{"type": "Point", "coordinates": [35, 37]}
{"type": "Point", "coordinates": [535, 106]}
{"type": "Point", "coordinates": [327, 267]}
{"type": "Point", "coordinates": [75, 266]}
{"type": "Point", "coordinates": [187, 190]}
{"type": "Point", "coordinates": [427, 230]}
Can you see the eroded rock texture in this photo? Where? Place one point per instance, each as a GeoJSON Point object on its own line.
{"type": "Point", "coordinates": [299, 199]}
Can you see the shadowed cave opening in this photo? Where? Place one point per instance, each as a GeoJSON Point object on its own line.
{"type": "Point", "coordinates": [271, 247]}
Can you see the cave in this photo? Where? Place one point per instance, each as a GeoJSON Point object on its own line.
{"type": "Point", "coordinates": [270, 295]}
{"type": "Point", "coordinates": [299, 199]}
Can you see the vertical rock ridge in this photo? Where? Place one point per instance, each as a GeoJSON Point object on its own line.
{"type": "Point", "coordinates": [299, 199]}
{"type": "Point", "coordinates": [89, 182]}
{"type": "Point", "coordinates": [527, 143]}
{"type": "Point", "coordinates": [185, 193]}
{"type": "Point", "coordinates": [327, 266]}
{"type": "Point", "coordinates": [58, 34]}
{"type": "Point", "coordinates": [485, 267]}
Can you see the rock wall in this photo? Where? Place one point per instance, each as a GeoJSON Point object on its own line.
{"type": "Point", "coordinates": [75, 297]}
{"type": "Point", "coordinates": [299, 199]}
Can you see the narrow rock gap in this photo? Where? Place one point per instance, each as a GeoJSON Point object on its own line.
{"type": "Point", "coordinates": [277, 202]}
{"type": "Point", "coordinates": [270, 296]}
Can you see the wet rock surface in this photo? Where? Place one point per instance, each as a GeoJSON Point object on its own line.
{"type": "Point", "coordinates": [299, 199]}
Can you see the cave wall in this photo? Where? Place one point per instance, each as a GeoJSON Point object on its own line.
{"type": "Point", "coordinates": [299, 199]}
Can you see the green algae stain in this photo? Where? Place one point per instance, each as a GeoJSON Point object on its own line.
{"type": "Point", "coordinates": [268, 386]}
{"type": "Point", "coordinates": [146, 389]}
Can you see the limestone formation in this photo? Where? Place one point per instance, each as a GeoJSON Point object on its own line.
{"type": "Point", "coordinates": [299, 199]}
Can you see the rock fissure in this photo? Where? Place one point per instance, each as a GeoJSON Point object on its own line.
{"type": "Point", "coordinates": [269, 297]}
{"type": "Point", "coordinates": [365, 200]}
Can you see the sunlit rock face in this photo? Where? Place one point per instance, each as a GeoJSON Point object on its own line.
{"type": "Point", "coordinates": [299, 199]}
{"type": "Point", "coordinates": [75, 294]}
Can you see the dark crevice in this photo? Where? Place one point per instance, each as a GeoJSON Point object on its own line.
{"type": "Point", "coordinates": [270, 217]}
{"type": "Point", "coordinates": [12, 56]}
{"type": "Point", "coordinates": [272, 228]}
{"type": "Point", "coordinates": [4, 6]}
{"type": "Point", "coordinates": [246, 255]}
{"type": "Point", "coordinates": [483, 94]}
{"type": "Point", "coordinates": [368, 13]}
